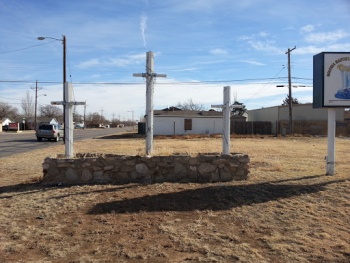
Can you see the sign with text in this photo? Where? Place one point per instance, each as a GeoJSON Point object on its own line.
{"type": "Point", "coordinates": [331, 79]}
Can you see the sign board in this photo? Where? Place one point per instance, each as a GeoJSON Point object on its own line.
{"type": "Point", "coordinates": [331, 80]}
{"type": "Point", "coordinates": [13, 126]}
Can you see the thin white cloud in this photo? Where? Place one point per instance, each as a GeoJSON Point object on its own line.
{"type": "Point", "coordinates": [326, 37]}
{"type": "Point", "coordinates": [261, 42]}
{"type": "Point", "coordinates": [253, 62]}
{"type": "Point", "coordinates": [308, 28]}
{"type": "Point", "coordinates": [263, 34]}
{"type": "Point", "coordinates": [118, 62]}
{"type": "Point", "coordinates": [143, 26]}
{"type": "Point", "coordinates": [89, 63]}
{"type": "Point", "coordinates": [266, 46]}
{"type": "Point", "coordinates": [218, 51]}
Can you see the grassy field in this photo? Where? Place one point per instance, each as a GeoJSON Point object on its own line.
{"type": "Point", "coordinates": [287, 211]}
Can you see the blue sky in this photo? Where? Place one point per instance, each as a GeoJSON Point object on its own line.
{"type": "Point", "coordinates": [202, 45]}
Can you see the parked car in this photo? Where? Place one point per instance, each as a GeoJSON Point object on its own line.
{"type": "Point", "coordinates": [49, 132]}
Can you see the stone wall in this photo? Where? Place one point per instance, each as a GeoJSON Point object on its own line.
{"type": "Point", "coordinates": [121, 169]}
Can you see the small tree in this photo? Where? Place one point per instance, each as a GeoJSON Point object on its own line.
{"type": "Point", "coordinates": [190, 105]}
{"type": "Point", "coordinates": [93, 120]}
{"type": "Point", "coordinates": [286, 101]}
{"type": "Point", "coordinates": [239, 111]}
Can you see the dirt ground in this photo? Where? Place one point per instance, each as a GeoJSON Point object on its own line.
{"type": "Point", "coordinates": [287, 211]}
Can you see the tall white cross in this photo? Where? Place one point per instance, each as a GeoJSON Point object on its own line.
{"type": "Point", "coordinates": [68, 128]}
{"type": "Point", "coordinates": [149, 75]}
{"type": "Point", "coordinates": [226, 106]}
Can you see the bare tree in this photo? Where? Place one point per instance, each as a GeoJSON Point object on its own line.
{"type": "Point", "coordinates": [190, 105]}
{"type": "Point", "coordinates": [93, 120]}
{"type": "Point", "coordinates": [8, 111]}
{"type": "Point", "coordinates": [28, 106]}
{"type": "Point", "coordinates": [50, 111]}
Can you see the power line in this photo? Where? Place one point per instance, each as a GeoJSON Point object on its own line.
{"type": "Point", "coordinates": [265, 87]}
{"type": "Point", "coordinates": [20, 49]}
{"type": "Point", "coordinates": [138, 83]}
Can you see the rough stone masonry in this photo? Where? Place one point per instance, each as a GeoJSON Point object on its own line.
{"type": "Point", "coordinates": [123, 169]}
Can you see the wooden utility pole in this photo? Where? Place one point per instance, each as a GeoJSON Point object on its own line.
{"type": "Point", "coordinates": [149, 75]}
{"type": "Point", "coordinates": [36, 102]}
{"type": "Point", "coordinates": [290, 92]}
{"type": "Point", "coordinates": [84, 114]}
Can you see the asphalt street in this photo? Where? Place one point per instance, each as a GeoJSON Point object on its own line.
{"type": "Point", "coordinates": [13, 143]}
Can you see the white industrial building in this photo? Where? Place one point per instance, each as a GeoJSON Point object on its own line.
{"type": "Point", "coordinates": [180, 122]}
{"type": "Point", "coordinates": [300, 112]}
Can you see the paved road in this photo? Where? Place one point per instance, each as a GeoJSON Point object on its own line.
{"type": "Point", "coordinates": [13, 143]}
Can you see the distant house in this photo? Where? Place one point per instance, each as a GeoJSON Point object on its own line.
{"type": "Point", "coordinates": [6, 121]}
{"type": "Point", "coordinates": [173, 121]}
{"type": "Point", "coordinates": [4, 124]}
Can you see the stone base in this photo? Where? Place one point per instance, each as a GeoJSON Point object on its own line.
{"type": "Point", "coordinates": [122, 169]}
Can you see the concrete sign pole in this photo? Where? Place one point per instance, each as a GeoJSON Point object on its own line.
{"type": "Point", "coordinates": [330, 159]}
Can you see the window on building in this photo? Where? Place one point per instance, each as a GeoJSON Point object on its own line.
{"type": "Point", "coordinates": [188, 124]}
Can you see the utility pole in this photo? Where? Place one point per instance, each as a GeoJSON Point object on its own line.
{"type": "Point", "coordinates": [132, 119]}
{"type": "Point", "coordinates": [149, 75]}
{"type": "Point", "coordinates": [290, 91]}
{"type": "Point", "coordinates": [84, 114]}
{"type": "Point", "coordinates": [36, 101]}
{"type": "Point", "coordinates": [64, 77]}
{"type": "Point", "coordinates": [101, 115]}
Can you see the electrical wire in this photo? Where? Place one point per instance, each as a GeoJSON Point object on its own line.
{"type": "Point", "coordinates": [265, 87]}
{"type": "Point", "coordinates": [20, 49]}
{"type": "Point", "coordinates": [161, 83]}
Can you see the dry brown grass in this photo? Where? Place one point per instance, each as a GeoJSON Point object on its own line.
{"type": "Point", "coordinates": [288, 210]}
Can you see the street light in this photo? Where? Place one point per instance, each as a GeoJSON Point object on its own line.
{"type": "Point", "coordinates": [64, 75]}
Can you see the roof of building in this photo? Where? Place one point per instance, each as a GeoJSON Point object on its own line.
{"type": "Point", "coordinates": [187, 113]}
{"type": "Point", "coordinates": [284, 106]}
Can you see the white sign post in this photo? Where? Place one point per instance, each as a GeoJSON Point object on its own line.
{"type": "Point", "coordinates": [68, 104]}
{"type": "Point", "coordinates": [331, 81]}
{"type": "Point", "coordinates": [330, 159]}
{"type": "Point", "coordinates": [226, 117]}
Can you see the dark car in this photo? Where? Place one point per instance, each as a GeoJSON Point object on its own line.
{"type": "Point", "coordinates": [49, 132]}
